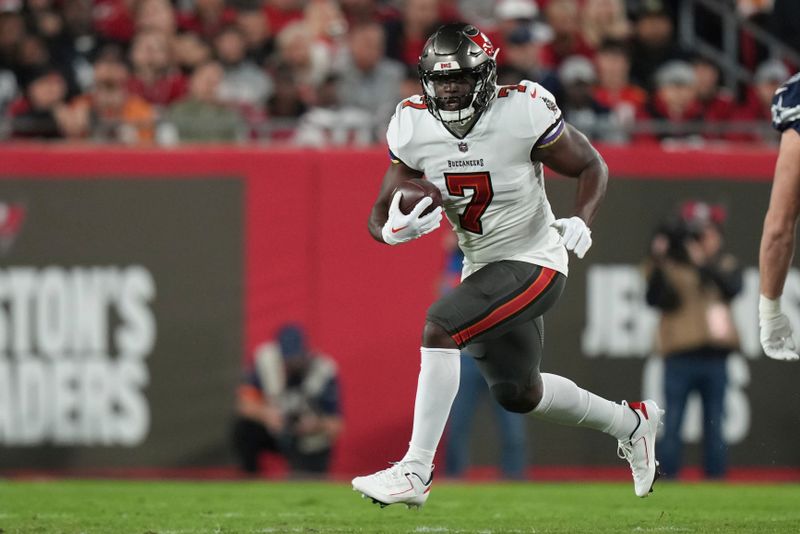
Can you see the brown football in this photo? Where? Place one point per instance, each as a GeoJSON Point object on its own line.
{"type": "Point", "coordinates": [413, 191]}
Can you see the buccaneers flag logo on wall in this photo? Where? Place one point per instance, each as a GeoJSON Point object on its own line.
{"type": "Point", "coordinates": [12, 215]}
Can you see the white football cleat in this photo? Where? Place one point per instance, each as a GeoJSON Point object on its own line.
{"type": "Point", "coordinates": [398, 484]}
{"type": "Point", "coordinates": [640, 448]}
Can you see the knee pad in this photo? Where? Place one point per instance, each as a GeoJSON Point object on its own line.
{"type": "Point", "coordinates": [513, 398]}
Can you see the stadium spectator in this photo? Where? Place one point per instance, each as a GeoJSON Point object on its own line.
{"type": "Point", "coordinates": [614, 89]}
{"type": "Point", "coordinates": [201, 116]}
{"type": "Point", "coordinates": [511, 14]}
{"type": "Point", "coordinates": [207, 18]}
{"type": "Point", "coordinates": [653, 44]}
{"type": "Point", "coordinates": [245, 84]}
{"type": "Point", "coordinates": [114, 20]}
{"type": "Point", "coordinates": [369, 80]}
{"type": "Point", "coordinates": [190, 51]}
{"type": "Point", "coordinates": [759, 13]}
{"type": "Point", "coordinates": [516, 17]}
{"type": "Point", "coordinates": [523, 53]}
{"type": "Point", "coordinates": [717, 104]}
{"type": "Point", "coordinates": [409, 86]}
{"type": "Point", "coordinates": [284, 107]}
{"type": "Point", "coordinates": [472, 390]}
{"type": "Point", "coordinates": [563, 17]}
{"type": "Point", "coordinates": [289, 404]}
{"type": "Point", "coordinates": [155, 77]}
{"type": "Point", "coordinates": [480, 10]}
{"type": "Point", "coordinates": [33, 56]}
{"type": "Point", "coordinates": [156, 16]}
{"type": "Point", "coordinates": [78, 44]}
{"type": "Point", "coordinates": [8, 91]}
{"type": "Point", "coordinates": [325, 22]}
{"type": "Point", "coordinates": [330, 123]}
{"type": "Point", "coordinates": [692, 280]}
{"type": "Point", "coordinates": [785, 22]}
{"type": "Point", "coordinates": [309, 60]}
{"type": "Point", "coordinates": [406, 34]}
{"type": "Point", "coordinates": [281, 13]}
{"type": "Point", "coordinates": [363, 11]}
{"type": "Point", "coordinates": [673, 112]}
{"type": "Point", "coordinates": [577, 77]}
{"type": "Point", "coordinates": [37, 113]}
{"type": "Point", "coordinates": [257, 34]}
{"type": "Point", "coordinates": [166, 40]}
{"type": "Point", "coordinates": [755, 112]}
{"type": "Point", "coordinates": [12, 30]}
{"type": "Point", "coordinates": [109, 113]}
{"type": "Point", "coordinates": [604, 20]}
{"type": "Point", "coordinates": [43, 20]}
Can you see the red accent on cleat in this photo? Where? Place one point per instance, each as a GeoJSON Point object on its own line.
{"type": "Point", "coordinates": [641, 407]}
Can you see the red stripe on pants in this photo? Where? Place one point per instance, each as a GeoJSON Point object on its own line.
{"type": "Point", "coordinates": [508, 309]}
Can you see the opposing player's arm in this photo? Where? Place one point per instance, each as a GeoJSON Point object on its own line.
{"type": "Point", "coordinates": [397, 173]}
{"type": "Point", "coordinates": [572, 155]}
{"type": "Point", "coordinates": [780, 223]}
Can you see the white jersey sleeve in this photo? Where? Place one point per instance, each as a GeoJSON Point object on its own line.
{"type": "Point", "coordinates": [400, 132]}
{"type": "Point", "coordinates": [542, 120]}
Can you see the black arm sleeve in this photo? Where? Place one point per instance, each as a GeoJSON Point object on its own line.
{"type": "Point", "coordinates": [660, 293]}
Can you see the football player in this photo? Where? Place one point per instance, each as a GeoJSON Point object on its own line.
{"type": "Point", "coordinates": [777, 238]}
{"type": "Point", "coordinates": [484, 147]}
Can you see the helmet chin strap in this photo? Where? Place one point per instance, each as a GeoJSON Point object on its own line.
{"type": "Point", "coordinates": [460, 127]}
{"type": "Point", "coordinates": [457, 115]}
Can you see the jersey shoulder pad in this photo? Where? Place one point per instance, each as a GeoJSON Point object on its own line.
{"type": "Point", "coordinates": [400, 132]}
{"type": "Point", "coordinates": [533, 109]}
{"type": "Point", "coordinates": [786, 105]}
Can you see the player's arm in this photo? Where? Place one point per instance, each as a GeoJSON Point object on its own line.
{"type": "Point", "coordinates": [777, 249]}
{"type": "Point", "coordinates": [402, 227]}
{"type": "Point", "coordinates": [572, 155]}
{"type": "Point", "coordinates": [777, 238]}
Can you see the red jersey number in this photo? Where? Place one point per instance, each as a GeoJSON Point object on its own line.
{"type": "Point", "coordinates": [480, 183]}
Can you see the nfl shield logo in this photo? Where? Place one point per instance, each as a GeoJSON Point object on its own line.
{"type": "Point", "coordinates": [463, 147]}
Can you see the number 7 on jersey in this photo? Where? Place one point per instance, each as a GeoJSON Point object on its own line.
{"type": "Point", "coordinates": [481, 185]}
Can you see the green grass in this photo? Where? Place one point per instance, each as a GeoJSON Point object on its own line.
{"type": "Point", "coordinates": [91, 507]}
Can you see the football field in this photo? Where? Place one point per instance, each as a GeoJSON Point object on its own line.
{"type": "Point", "coordinates": [294, 507]}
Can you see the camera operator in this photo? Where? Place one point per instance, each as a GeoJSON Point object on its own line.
{"type": "Point", "coordinates": [692, 282]}
{"type": "Point", "coordinates": [289, 404]}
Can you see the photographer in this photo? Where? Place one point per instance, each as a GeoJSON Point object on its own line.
{"type": "Point", "coordinates": [692, 282]}
{"type": "Point", "coordinates": [289, 403]}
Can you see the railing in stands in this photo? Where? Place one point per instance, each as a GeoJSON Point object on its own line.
{"type": "Point", "coordinates": [733, 25]}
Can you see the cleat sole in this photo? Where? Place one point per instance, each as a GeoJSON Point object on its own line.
{"type": "Point", "coordinates": [657, 475]}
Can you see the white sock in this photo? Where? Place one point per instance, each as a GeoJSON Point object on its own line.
{"type": "Point", "coordinates": [565, 403]}
{"type": "Point", "coordinates": [439, 375]}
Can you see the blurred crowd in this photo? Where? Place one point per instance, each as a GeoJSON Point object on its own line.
{"type": "Point", "coordinates": [330, 72]}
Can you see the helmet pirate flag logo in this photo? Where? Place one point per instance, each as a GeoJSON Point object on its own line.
{"type": "Point", "coordinates": [12, 215]}
{"type": "Point", "coordinates": [480, 39]}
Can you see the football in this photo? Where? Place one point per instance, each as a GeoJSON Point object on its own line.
{"type": "Point", "coordinates": [415, 190]}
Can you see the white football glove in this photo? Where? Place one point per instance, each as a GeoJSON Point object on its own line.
{"type": "Point", "coordinates": [575, 235]}
{"type": "Point", "coordinates": [776, 332]}
{"type": "Point", "coordinates": [400, 228]}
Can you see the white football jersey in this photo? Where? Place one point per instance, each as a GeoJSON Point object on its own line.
{"type": "Point", "coordinates": [494, 195]}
